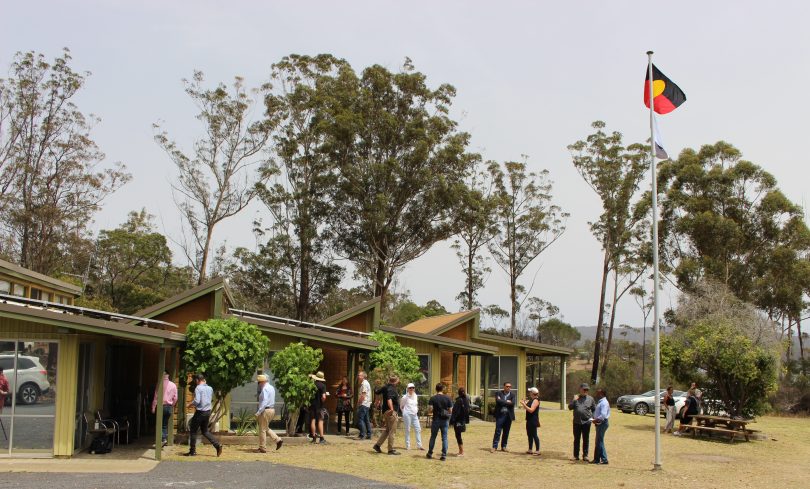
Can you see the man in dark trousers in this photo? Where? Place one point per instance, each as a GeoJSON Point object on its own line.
{"type": "Point", "coordinates": [203, 394]}
{"type": "Point", "coordinates": [582, 405]}
{"type": "Point", "coordinates": [504, 415]}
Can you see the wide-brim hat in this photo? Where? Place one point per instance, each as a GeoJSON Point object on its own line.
{"type": "Point", "coordinates": [261, 378]}
{"type": "Point", "coordinates": [317, 376]}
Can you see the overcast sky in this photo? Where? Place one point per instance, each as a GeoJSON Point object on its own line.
{"type": "Point", "coordinates": [530, 76]}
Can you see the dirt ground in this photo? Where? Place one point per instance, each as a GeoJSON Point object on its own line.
{"type": "Point", "coordinates": [779, 460]}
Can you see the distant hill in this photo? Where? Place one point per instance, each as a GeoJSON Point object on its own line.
{"type": "Point", "coordinates": [635, 335]}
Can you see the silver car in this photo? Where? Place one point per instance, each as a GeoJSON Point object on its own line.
{"type": "Point", "coordinates": [642, 404]}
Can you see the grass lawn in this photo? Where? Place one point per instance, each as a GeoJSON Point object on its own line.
{"type": "Point", "coordinates": [779, 461]}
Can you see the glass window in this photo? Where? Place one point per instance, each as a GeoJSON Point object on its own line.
{"type": "Point", "coordinates": [46, 296]}
{"type": "Point", "coordinates": [423, 387]}
{"type": "Point", "coordinates": [36, 294]}
{"type": "Point", "coordinates": [509, 370]}
{"type": "Point", "coordinates": [29, 421]}
{"type": "Point", "coordinates": [5, 287]}
{"type": "Point", "coordinates": [245, 398]}
{"type": "Point", "coordinates": [501, 369]}
{"type": "Point", "coordinates": [18, 290]}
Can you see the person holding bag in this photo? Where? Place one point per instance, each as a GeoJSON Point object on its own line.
{"type": "Point", "coordinates": [460, 418]}
{"type": "Point", "coordinates": [532, 407]}
{"type": "Point", "coordinates": [442, 406]}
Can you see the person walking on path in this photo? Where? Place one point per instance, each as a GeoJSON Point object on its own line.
{"type": "Point", "coordinates": [344, 403]}
{"type": "Point", "coordinates": [532, 407]}
{"type": "Point", "coordinates": [409, 405]}
{"type": "Point", "coordinates": [669, 404]}
{"type": "Point", "coordinates": [460, 418]}
{"type": "Point", "coordinates": [390, 404]}
{"type": "Point", "coordinates": [600, 418]}
{"type": "Point", "coordinates": [266, 413]}
{"type": "Point", "coordinates": [504, 415]}
{"type": "Point", "coordinates": [363, 407]}
{"type": "Point", "coordinates": [169, 400]}
{"type": "Point", "coordinates": [441, 406]}
{"type": "Point", "coordinates": [315, 406]}
{"type": "Point", "coordinates": [582, 405]}
{"type": "Point", "coordinates": [203, 393]}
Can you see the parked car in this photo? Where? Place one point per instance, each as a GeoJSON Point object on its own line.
{"type": "Point", "coordinates": [31, 377]}
{"type": "Point", "coordinates": [642, 404]}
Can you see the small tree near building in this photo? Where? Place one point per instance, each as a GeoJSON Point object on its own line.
{"type": "Point", "coordinates": [391, 357]}
{"type": "Point", "coordinates": [291, 368]}
{"type": "Point", "coordinates": [228, 352]}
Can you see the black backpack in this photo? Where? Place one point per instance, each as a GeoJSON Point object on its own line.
{"type": "Point", "coordinates": [101, 445]}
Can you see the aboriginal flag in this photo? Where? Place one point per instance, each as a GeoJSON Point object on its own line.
{"type": "Point", "coordinates": [666, 95]}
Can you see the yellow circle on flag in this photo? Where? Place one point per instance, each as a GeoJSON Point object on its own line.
{"type": "Point", "coordinates": [658, 87]}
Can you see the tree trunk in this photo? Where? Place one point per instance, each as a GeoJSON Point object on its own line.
{"type": "Point", "coordinates": [513, 297]}
{"type": "Point", "coordinates": [470, 291]}
{"type": "Point", "coordinates": [597, 344]}
{"type": "Point", "coordinates": [612, 322]}
{"type": "Point", "coordinates": [380, 287]}
{"type": "Point", "coordinates": [206, 249]}
{"type": "Point", "coordinates": [302, 305]}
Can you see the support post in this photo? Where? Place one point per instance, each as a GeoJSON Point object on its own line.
{"type": "Point", "coordinates": [173, 378]}
{"type": "Point", "coordinates": [563, 375]}
{"type": "Point", "coordinates": [159, 403]}
{"type": "Point", "coordinates": [485, 375]}
{"type": "Point", "coordinates": [454, 387]}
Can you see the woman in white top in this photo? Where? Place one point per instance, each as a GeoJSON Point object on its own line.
{"type": "Point", "coordinates": [409, 404]}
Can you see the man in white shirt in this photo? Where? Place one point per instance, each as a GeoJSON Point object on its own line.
{"type": "Point", "coordinates": [363, 407]}
{"type": "Point", "coordinates": [265, 414]}
{"type": "Point", "coordinates": [409, 405]}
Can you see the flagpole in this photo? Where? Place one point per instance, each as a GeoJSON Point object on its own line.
{"type": "Point", "coordinates": [656, 316]}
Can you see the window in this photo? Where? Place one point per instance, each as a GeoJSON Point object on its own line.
{"type": "Point", "coordinates": [18, 290]}
{"type": "Point", "coordinates": [5, 287]}
{"type": "Point", "coordinates": [245, 398]}
{"type": "Point", "coordinates": [46, 297]}
{"type": "Point", "coordinates": [501, 369]}
{"type": "Point", "coordinates": [36, 294]}
{"type": "Point", "coordinates": [423, 387]}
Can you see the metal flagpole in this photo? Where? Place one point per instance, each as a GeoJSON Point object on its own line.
{"type": "Point", "coordinates": [656, 316]}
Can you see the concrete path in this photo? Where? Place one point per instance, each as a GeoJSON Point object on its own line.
{"type": "Point", "coordinates": [228, 475]}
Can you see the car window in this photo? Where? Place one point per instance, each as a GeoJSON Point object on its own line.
{"type": "Point", "coordinates": [24, 363]}
{"type": "Point", "coordinates": [648, 394]}
{"type": "Point", "coordinates": [678, 393]}
{"type": "Point", "coordinates": [6, 363]}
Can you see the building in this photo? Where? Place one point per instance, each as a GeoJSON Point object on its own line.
{"type": "Point", "coordinates": [67, 366]}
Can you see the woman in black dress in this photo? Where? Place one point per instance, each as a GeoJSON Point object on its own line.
{"type": "Point", "coordinates": [344, 403]}
{"type": "Point", "coordinates": [532, 407]}
{"type": "Point", "coordinates": [460, 418]}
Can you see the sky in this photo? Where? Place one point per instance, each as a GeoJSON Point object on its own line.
{"type": "Point", "coordinates": [530, 77]}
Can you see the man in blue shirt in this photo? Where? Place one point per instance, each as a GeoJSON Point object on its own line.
{"type": "Point", "coordinates": [265, 414]}
{"type": "Point", "coordinates": [203, 394]}
{"type": "Point", "coordinates": [600, 418]}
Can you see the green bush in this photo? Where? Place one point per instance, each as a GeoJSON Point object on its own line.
{"type": "Point", "coordinates": [291, 368]}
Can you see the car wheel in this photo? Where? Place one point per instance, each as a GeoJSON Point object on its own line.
{"type": "Point", "coordinates": [28, 394]}
{"type": "Point", "coordinates": [641, 409]}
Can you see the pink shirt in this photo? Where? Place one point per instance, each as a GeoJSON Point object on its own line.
{"type": "Point", "coordinates": [169, 393]}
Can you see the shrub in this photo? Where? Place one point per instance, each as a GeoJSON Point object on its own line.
{"type": "Point", "coordinates": [291, 368]}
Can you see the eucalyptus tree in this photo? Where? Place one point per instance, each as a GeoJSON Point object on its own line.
{"type": "Point", "coordinates": [614, 172]}
{"type": "Point", "coordinates": [217, 178]}
{"type": "Point", "coordinates": [528, 222]}
{"type": "Point", "coordinates": [50, 181]}
{"type": "Point", "coordinates": [402, 163]}
{"type": "Point", "coordinates": [476, 227]}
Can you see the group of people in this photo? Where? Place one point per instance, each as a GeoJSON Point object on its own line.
{"type": "Point", "coordinates": [444, 412]}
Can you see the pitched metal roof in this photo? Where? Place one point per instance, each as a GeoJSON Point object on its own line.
{"type": "Point", "coordinates": [353, 311]}
{"type": "Point", "coordinates": [540, 348]}
{"type": "Point", "coordinates": [64, 319]}
{"type": "Point", "coordinates": [310, 331]}
{"type": "Point", "coordinates": [440, 324]}
{"type": "Point", "coordinates": [460, 346]}
{"type": "Point", "coordinates": [17, 271]}
{"type": "Point", "coordinates": [185, 297]}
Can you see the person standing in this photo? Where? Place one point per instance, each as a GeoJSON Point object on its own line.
{"type": "Point", "coordinates": [600, 418]}
{"type": "Point", "coordinates": [532, 407]}
{"type": "Point", "coordinates": [344, 403]}
{"type": "Point", "coordinates": [582, 405]}
{"type": "Point", "coordinates": [669, 405]}
{"type": "Point", "coordinates": [266, 413]}
{"type": "Point", "coordinates": [460, 418]}
{"type": "Point", "coordinates": [4, 389]}
{"type": "Point", "coordinates": [389, 405]}
{"type": "Point", "coordinates": [409, 405]}
{"type": "Point", "coordinates": [169, 400]}
{"type": "Point", "coordinates": [504, 415]}
{"type": "Point", "coordinates": [363, 407]}
{"type": "Point", "coordinates": [203, 393]}
{"type": "Point", "coordinates": [315, 406]}
{"type": "Point", "coordinates": [441, 406]}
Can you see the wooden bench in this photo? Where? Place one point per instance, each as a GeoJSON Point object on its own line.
{"type": "Point", "coordinates": [708, 429]}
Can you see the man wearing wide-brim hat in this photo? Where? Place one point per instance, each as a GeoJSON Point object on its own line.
{"type": "Point", "coordinates": [266, 413]}
{"type": "Point", "coordinates": [318, 400]}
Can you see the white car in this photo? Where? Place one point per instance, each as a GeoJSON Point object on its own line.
{"type": "Point", "coordinates": [642, 404]}
{"type": "Point", "coordinates": [31, 377]}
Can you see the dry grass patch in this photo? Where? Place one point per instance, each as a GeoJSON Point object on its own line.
{"type": "Point", "coordinates": [778, 461]}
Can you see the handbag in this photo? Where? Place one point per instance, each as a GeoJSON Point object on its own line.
{"type": "Point", "coordinates": [460, 427]}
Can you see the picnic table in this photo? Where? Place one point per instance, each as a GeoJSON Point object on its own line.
{"type": "Point", "coordinates": [731, 427]}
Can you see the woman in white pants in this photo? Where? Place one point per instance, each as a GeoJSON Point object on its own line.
{"type": "Point", "coordinates": [669, 405]}
{"type": "Point", "coordinates": [409, 404]}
